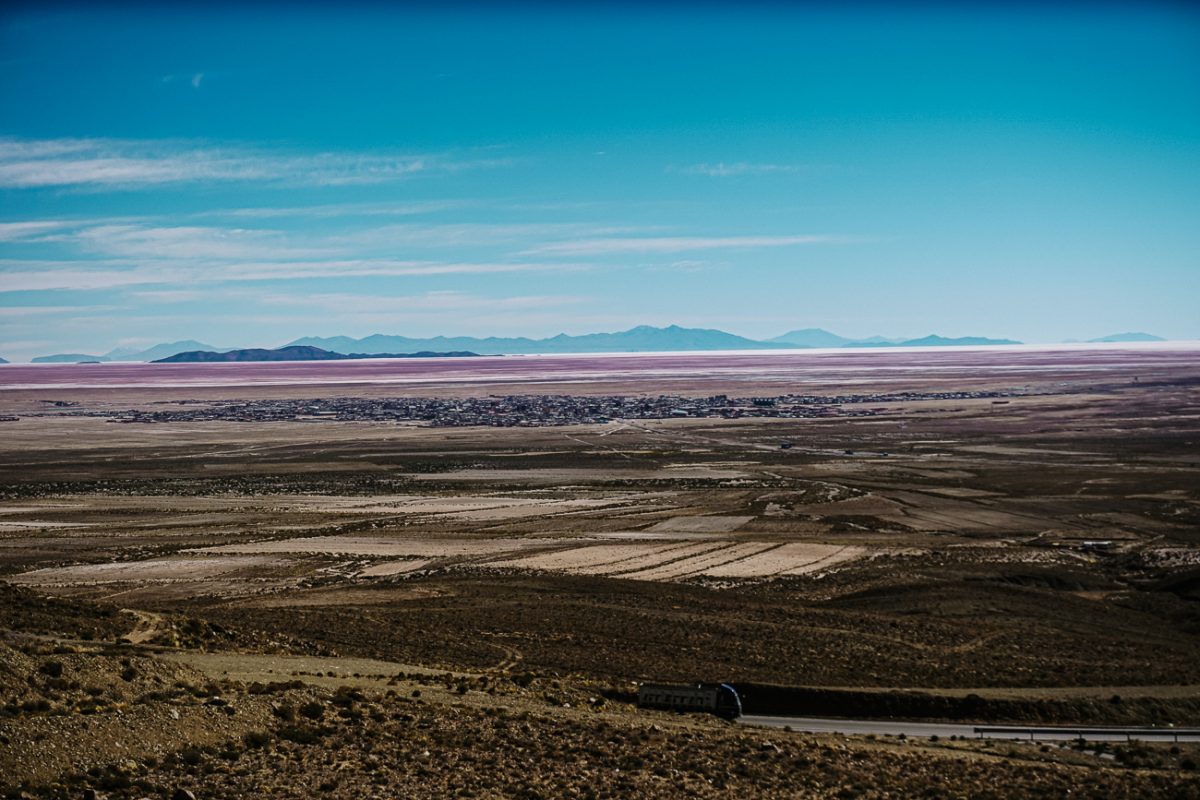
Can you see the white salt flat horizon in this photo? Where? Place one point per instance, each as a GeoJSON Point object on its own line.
{"type": "Point", "coordinates": [1028, 347]}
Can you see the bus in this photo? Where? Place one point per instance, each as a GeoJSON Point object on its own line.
{"type": "Point", "coordinates": [713, 698]}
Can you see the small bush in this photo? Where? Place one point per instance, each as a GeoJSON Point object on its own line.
{"type": "Point", "coordinates": [300, 734]}
{"type": "Point", "coordinates": [256, 739]}
{"type": "Point", "coordinates": [312, 710]}
{"type": "Point", "coordinates": [54, 669]}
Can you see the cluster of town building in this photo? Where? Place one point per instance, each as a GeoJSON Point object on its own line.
{"type": "Point", "coordinates": [528, 410]}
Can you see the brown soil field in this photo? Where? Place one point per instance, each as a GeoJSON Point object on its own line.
{"type": "Point", "coordinates": [198, 585]}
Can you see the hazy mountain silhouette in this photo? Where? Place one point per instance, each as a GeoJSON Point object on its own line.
{"type": "Point", "coordinates": [66, 358]}
{"type": "Point", "coordinates": [812, 337]}
{"type": "Point", "coordinates": [157, 351]}
{"type": "Point", "coordinates": [1129, 337]}
{"type": "Point", "coordinates": [934, 340]}
{"type": "Point", "coordinates": [291, 353]}
{"type": "Point", "coordinates": [643, 338]}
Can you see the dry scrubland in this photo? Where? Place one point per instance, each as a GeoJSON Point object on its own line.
{"type": "Point", "coordinates": [356, 609]}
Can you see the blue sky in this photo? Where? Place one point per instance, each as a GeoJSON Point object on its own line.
{"type": "Point", "coordinates": [248, 176]}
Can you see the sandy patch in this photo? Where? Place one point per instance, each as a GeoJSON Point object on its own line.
{"type": "Point", "coordinates": [1008, 450]}
{"type": "Point", "coordinates": [35, 524]}
{"type": "Point", "coordinates": [155, 570]}
{"type": "Point", "coordinates": [381, 546]}
{"type": "Point", "coordinates": [960, 491]}
{"type": "Point", "coordinates": [576, 476]}
{"type": "Point", "coordinates": [531, 508]}
{"type": "Point", "coordinates": [31, 509]}
{"type": "Point", "coordinates": [342, 596]}
{"type": "Point", "coordinates": [393, 568]}
{"type": "Point", "coordinates": [700, 524]}
{"type": "Point", "coordinates": [868, 505]}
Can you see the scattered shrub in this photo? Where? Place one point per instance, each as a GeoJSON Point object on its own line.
{"type": "Point", "coordinates": [312, 710]}
{"type": "Point", "coordinates": [256, 739]}
{"type": "Point", "coordinates": [53, 669]}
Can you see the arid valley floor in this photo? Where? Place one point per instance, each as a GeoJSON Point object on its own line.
{"type": "Point", "coordinates": [355, 609]}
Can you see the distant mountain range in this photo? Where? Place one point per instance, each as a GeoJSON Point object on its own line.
{"type": "Point", "coordinates": [813, 337]}
{"type": "Point", "coordinates": [1128, 337]}
{"type": "Point", "coordinates": [127, 354]}
{"type": "Point", "coordinates": [66, 358]}
{"type": "Point", "coordinates": [935, 341]}
{"type": "Point", "coordinates": [642, 339]}
{"type": "Point", "coordinates": [292, 353]}
{"type": "Point", "coordinates": [157, 351]}
{"type": "Point", "coordinates": [818, 337]}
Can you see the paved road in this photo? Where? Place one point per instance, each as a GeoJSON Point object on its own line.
{"type": "Point", "coordinates": [945, 730]}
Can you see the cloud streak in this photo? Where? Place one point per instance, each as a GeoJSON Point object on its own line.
{"type": "Point", "coordinates": [21, 312]}
{"type": "Point", "coordinates": [18, 231]}
{"type": "Point", "coordinates": [674, 244]}
{"type": "Point", "coordinates": [118, 163]}
{"type": "Point", "coordinates": [42, 276]}
{"type": "Point", "coordinates": [339, 302]}
{"type": "Point", "coordinates": [736, 168]}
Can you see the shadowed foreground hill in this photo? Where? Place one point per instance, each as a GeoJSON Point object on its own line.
{"type": "Point", "coordinates": [102, 718]}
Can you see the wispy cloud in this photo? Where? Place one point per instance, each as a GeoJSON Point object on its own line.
{"type": "Point", "coordinates": [722, 169]}
{"type": "Point", "coordinates": [477, 233]}
{"type": "Point", "coordinates": [191, 243]}
{"type": "Point", "coordinates": [168, 296]}
{"type": "Point", "coordinates": [33, 275]}
{"type": "Point", "coordinates": [674, 244]}
{"type": "Point", "coordinates": [16, 231]}
{"type": "Point", "coordinates": [428, 301]}
{"type": "Point", "coordinates": [118, 163]}
{"type": "Point", "coordinates": [335, 210]}
{"type": "Point", "coordinates": [22, 312]}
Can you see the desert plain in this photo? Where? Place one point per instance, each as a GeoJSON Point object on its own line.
{"type": "Point", "coordinates": [219, 581]}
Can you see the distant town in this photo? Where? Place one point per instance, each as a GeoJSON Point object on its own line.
{"type": "Point", "coordinates": [524, 410]}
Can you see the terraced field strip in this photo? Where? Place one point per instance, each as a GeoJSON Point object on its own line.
{"type": "Point", "coordinates": [533, 508]}
{"type": "Point", "coordinates": [386, 568]}
{"type": "Point", "coordinates": [729, 555]}
{"type": "Point", "coordinates": [700, 524]}
{"type": "Point", "coordinates": [385, 546]}
{"type": "Point", "coordinates": [650, 556]}
{"type": "Point", "coordinates": [154, 570]}
{"type": "Point", "coordinates": [793, 558]}
{"type": "Point", "coordinates": [684, 564]}
{"type": "Point", "coordinates": [499, 508]}
{"type": "Point", "coordinates": [588, 559]}
{"type": "Point", "coordinates": [688, 566]}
